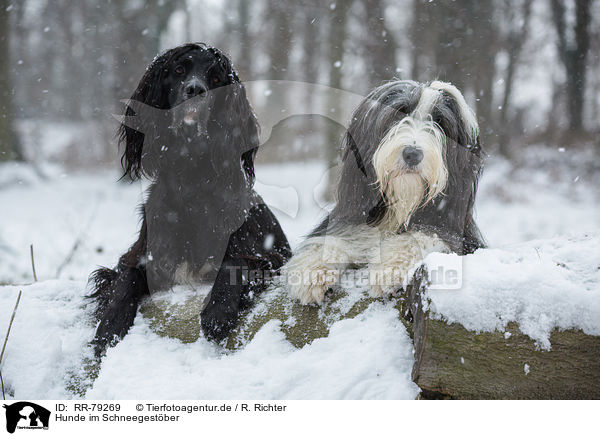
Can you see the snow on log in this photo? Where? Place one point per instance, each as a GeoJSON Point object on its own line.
{"type": "Point", "coordinates": [522, 323]}
{"type": "Point", "coordinates": [452, 362]}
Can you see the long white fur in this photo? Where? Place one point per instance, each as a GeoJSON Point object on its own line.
{"type": "Point", "coordinates": [398, 253]}
{"type": "Point", "coordinates": [319, 262]}
{"type": "Point", "coordinates": [428, 99]}
{"type": "Point", "coordinates": [405, 190]}
{"type": "Point", "coordinates": [469, 119]}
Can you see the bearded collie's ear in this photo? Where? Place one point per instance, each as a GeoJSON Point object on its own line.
{"type": "Point", "coordinates": [149, 92]}
{"type": "Point", "coordinates": [234, 122]}
{"type": "Point", "coordinates": [358, 197]}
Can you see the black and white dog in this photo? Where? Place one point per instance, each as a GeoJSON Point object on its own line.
{"type": "Point", "coordinates": [410, 165]}
{"type": "Point", "coordinates": [195, 138]}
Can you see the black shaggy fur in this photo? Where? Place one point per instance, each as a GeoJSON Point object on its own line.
{"type": "Point", "coordinates": [201, 210]}
{"type": "Point", "coordinates": [359, 200]}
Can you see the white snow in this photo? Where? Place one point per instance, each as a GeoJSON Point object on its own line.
{"type": "Point", "coordinates": [48, 338]}
{"type": "Point", "coordinates": [541, 285]}
{"type": "Point", "coordinates": [268, 367]}
{"type": "Point", "coordinates": [50, 333]}
{"type": "Point", "coordinates": [542, 271]}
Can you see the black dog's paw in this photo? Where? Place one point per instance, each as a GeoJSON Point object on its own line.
{"type": "Point", "coordinates": [217, 321]}
{"type": "Point", "coordinates": [108, 334]}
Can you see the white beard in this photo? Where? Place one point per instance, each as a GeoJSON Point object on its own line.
{"type": "Point", "coordinates": [405, 191]}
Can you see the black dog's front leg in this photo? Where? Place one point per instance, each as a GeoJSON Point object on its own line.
{"type": "Point", "coordinates": [256, 250]}
{"type": "Point", "coordinates": [219, 316]}
{"type": "Point", "coordinates": [118, 294]}
{"type": "Point", "coordinates": [119, 297]}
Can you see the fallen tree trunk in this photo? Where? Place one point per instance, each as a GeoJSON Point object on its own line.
{"type": "Point", "coordinates": [452, 362]}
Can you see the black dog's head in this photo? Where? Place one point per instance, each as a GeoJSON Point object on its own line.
{"type": "Point", "coordinates": [191, 106]}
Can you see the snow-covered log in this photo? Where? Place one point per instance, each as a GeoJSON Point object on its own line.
{"type": "Point", "coordinates": [177, 315]}
{"type": "Point", "coordinates": [453, 362]}
{"type": "Point", "coordinates": [523, 322]}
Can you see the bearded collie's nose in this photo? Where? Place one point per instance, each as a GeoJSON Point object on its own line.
{"type": "Point", "coordinates": [193, 88]}
{"type": "Point", "coordinates": [412, 156]}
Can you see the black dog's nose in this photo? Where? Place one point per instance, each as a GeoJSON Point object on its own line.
{"type": "Point", "coordinates": [412, 156]}
{"type": "Point", "coordinates": [193, 88]}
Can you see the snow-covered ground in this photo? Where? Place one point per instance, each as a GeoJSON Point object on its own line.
{"type": "Point", "coordinates": [546, 212]}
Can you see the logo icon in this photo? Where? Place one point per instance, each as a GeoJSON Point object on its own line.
{"type": "Point", "coordinates": [26, 415]}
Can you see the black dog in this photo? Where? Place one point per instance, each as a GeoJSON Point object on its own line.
{"type": "Point", "coordinates": [195, 137]}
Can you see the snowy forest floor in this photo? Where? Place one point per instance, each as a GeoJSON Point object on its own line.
{"type": "Point", "coordinates": [77, 222]}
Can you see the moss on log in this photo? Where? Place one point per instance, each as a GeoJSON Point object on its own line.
{"type": "Point", "coordinates": [180, 317]}
{"type": "Point", "coordinates": [174, 318]}
{"type": "Point", "coordinates": [301, 324]}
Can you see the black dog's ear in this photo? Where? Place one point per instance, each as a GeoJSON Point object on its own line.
{"type": "Point", "coordinates": [235, 123]}
{"type": "Point", "coordinates": [149, 92]}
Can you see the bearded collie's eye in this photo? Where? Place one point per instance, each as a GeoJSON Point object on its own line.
{"type": "Point", "coordinates": [179, 69]}
{"type": "Point", "coordinates": [216, 79]}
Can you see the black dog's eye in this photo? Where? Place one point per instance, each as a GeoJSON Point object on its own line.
{"type": "Point", "coordinates": [216, 79]}
{"type": "Point", "coordinates": [179, 69]}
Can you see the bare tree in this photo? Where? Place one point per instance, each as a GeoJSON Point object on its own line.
{"type": "Point", "coordinates": [244, 61]}
{"type": "Point", "coordinates": [279, 44]}
{"type": "Point", "coordinates": [484, 47]}
{"type": "Point", "coordinates": [8, 144]}
{"type": "Point", "coordinates": [452, 59]}
{"type": "Point", "coordinates": [311, 44]}
{"type": "Point", "coordinates": [379, 46]}
{"type": "Point", "coordinates": [338, 18]}
{"type": "Point", "coordinates": [138, 29]}
{"type": "Point", "coordinates": [416, 47]}
{"type": "Point", "coordinates": [517, 36]}
{"type": "Point", "coordinates": [573, 53]}
{"type": "Point", "coordinates": [280, 41]}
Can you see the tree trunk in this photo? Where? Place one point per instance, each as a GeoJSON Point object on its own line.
{"type": "Point", "coordinates": [416, 48]}
{"type": "Point", "coordinates": [573, 55]}
{"type": "Point", "coordinates": [516, 40]}
{"type": "Point", "coordinates": [483, 48]}
{"type": "Point", "coordinates": [379, 44]}
{"type": "Point", "coordinates": [451, 52]}
{"type": "Point", "coordinates": [424, 37]}
{"type": "Point", "coordinates": [452, 362]}
{"type": "Point", "coordinates": [337, 36]}
{"type": "Point", "coordinates": [244, 62]}
{"type": "Point", "coordinates": [7, 135]}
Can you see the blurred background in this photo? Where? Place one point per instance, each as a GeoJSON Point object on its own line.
{"type": "Point", "coordinates": [530, 69]}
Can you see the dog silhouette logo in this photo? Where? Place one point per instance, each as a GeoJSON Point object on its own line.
{"type": "Point", "coordinates": [26, 415]}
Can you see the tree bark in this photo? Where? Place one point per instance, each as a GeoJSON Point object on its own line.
{"type": "Point", "coordinates": [452, 362]}
{"type": "Point", "coordinates": [573, 55]}
{"type": "Point", "coordinates": [7, 134]}
{"type": "Point", "coordinates": [516, 40]}
{"type": "Point", "coordinates": [379, 44]}
{"type": "Point", "coordinates": [244, 63]}
{"type": "Point", "coordinates": [337, 36]}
